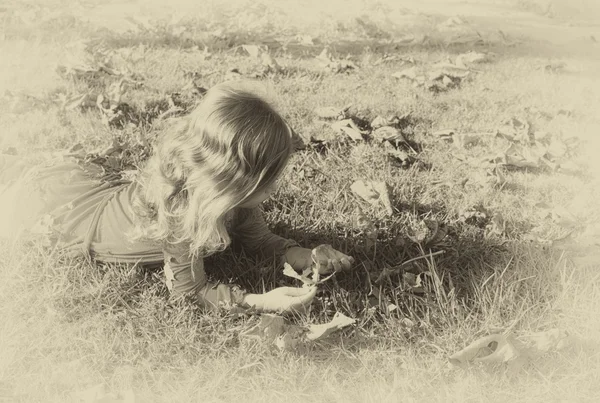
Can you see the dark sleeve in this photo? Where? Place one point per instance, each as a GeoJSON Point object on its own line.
{"type": "Point", "coordinates": [251, 231]}
{"type": "Point", "coordinates": [185, 275]}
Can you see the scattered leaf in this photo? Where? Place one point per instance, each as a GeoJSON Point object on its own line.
{"type": "Point", "coordinates": [255, 50]}
{"type": "Point", "coordinates": [495, 348]}
{"type": "Point", "coordinates": [464, 140]}
{"type": "Point", "coordinates": [348, 127]}
{"type": "Point", "coordinates": [388, 133]}
{"type": "Point", "coordinates": [470, 57]}
{"type": "Point", "coordinates": [401, 158]}
{"type": "Point", "coordinates": [374, 193]}
{"type": "Point", "coordinates": [290, 272]}
{"type": "Point", "coordinates": [555, 67]}
{"type": "Point", "coordinates": [506, 348]}
{"type": "Point", "coordinates": [410, 73]}
{"type": "Point", "coordinates": [411, 280]}
{"type": "Point", "coordinates": [269, 327]}
{"type": "Point", "coordinates": [304, 40]}
{"type": "Point", "coordinates": [339, 321]}
{"type": "Point", "coordinates": [497, 225]}
{"type": "Point", "coordinates": [514, 129]}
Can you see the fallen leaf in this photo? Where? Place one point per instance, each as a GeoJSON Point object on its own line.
{"type": "Point", "coordinates": [555, 67]}
{"type": "Point", "coordinates": [388, 133]}
{"type": "Point", "coordinates": [411, 280]}
{"type": "Point", "coordinates": [466, 139]}
{"type": "Point", "coordinates": [521, 157]}
{"type": "Point", "coordinates": [470, 57]}
{"type": "Point", "coordinates": [233, 74]}
{"type": "Point", "coordinates": [451, 70]}
{"type": "Point", "coordinates": [401, 158]}
{"type": "Point", "coordinates": [497, 225]}
{"type": "Point", "coordinates": [254, 50]}
{"type": "Point", "coordinates": [269, 327]}
{"type": "Point", "coordinates": [515, 129]}
{"type": "Point", "coordinates": [499, 178]}
{"type": "Point", "coordinates": [374, 193]}
{"type": "Point", "coordinates": [270, 63]}
{"type": "Point", "coordinates": [452, 22]}
{"type": "Point", "coordinates": [318, 332]}
{"type": "Point", "coordinates": [501, 348]}
{"type": "Point", "coordinates": [495, 348]}
{"type": "Point", "coordinates": [410, 73]}
{"type": "Point", "coordinates": [304, 40]}
{"type": "Point", "coordinates": [348, 127]}
{"type": "Point", "coordinates": [290, 272]}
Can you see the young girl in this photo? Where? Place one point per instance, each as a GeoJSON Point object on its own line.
{"type": "Point", "coordinates": [201, 187]}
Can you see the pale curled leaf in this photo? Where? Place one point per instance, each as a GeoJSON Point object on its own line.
{"type": "Point", "coordinates": [289, 271]}
{"type": "Point", "coordinates": [339, 321]}
{"type": "Point", "coordinates": [496, 348]}
{"type": "Point", "coordinates": [374, 192]}
{"type": "Point", "coordinates": [388, 133]}
{"type": "Point", "coordinates": [254, 50]}
{"type": "Point", "coordinates": [269, 327]}
{"type": "Point", "coordinates": [506, 348]}
{"type": "Point", "coordinates": [348, 127]}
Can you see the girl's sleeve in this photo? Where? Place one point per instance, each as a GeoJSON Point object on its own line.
{"type": "Point", "coordinates": [251, 231]}
{"type": "Point", "coordinates": [185, 275]}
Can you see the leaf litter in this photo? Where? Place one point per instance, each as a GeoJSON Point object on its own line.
{"type": "Point", "coordinates": [275, 329]}
{"type": "Point", "coordinates": [510, 349]}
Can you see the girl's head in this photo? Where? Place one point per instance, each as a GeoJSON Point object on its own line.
{"type": "Point", "coordinates": [228, 153]}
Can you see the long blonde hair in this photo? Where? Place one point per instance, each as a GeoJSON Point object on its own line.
{"type": "Point", "coordinates": [232, 146]}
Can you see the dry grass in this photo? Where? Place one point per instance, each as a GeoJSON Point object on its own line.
{"type": "Point", "coordinates": [67, 325]}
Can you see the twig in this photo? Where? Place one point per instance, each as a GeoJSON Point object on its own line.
{"type": "Point", "coordinates": [417, 258]}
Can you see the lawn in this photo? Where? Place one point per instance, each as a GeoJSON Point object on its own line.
{"type": "Point", "coordinates": [489, 160]}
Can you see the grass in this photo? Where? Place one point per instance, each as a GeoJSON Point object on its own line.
{"type": "Point", "coordinates": [67, 325]}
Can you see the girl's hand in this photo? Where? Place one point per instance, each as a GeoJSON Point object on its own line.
{"type": "Point", "coordinates": [328, 259]}
{"type": "Point", "coordinates": [282, 299]}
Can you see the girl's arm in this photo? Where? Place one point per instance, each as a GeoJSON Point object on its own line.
{"type": "Point", "coordinates": [251, 230]}
{"type": "Point", "coordinates": [186, 276]}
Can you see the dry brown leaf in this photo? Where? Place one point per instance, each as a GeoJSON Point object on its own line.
{"type": "Point", "coordinates": [255, 50]}
{"type": "Point", "coordinates": [497, 225]}
{"type": "Point", "coordinates": [290, 272]}
{"type": "Point", "coordinates": [304, 40]}
{"type": "Point", "coordinates": [339, 321]}
{"type": "Point", "coordinates": [501, 348]}
{"type": "Point", "coordinates": [410, 73]}
{"type": "Point", "coordinates": [348, 127]}
{"type": "Point", "coordinates": [470, 57]}
{"type": "Point", "coordinates": [388, 133]}
{"type": "Point", "coordinates": [466, 139]}
{"type": "Point", "coordinates": [374, 193]}
{"type": "Point", "coordinates": [522, 157]}
{"type": "Point", "coordinates": [515, 129]}
{"type": "Point", "coordinates": [450, 70]}
{"type": "Point", "coordinates": [269, 327]}
{"type": "Point", "coordinates": [495, 348]}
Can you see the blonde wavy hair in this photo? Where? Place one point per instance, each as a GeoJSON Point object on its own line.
{"type": "Point", "coordinates": [232, 146]}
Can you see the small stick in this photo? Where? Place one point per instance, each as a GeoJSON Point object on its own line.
{"type": "Point", "coordinates": [417, 258]}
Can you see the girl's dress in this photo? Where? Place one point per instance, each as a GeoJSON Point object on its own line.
{"type": "Point", "coordinates": [88, 217]}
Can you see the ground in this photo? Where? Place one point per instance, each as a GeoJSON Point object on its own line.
{"type": "Point", "coordinates": [513, 205]}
